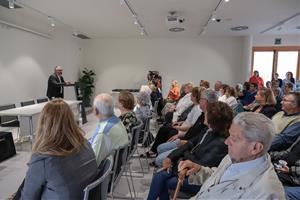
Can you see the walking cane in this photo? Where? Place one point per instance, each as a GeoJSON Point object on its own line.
{"type": "Point", "coordinates": [181, 177]}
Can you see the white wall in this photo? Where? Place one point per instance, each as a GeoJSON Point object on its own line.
{"type": "Point", "coordinates": [268, 40]}
{"type": "Point", "coordinates": [124, 63]}
{"type": "Point", "coordinates": [26, 61]}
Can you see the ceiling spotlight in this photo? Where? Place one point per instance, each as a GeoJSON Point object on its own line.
{"type": "Point", "coordinates": [11, 4]}
{"type": "Point", "coordinates": [52, 21]}
{"type": "Point", "coordinates": [135, 20]}
{"type": "Point", "coordinates": [226, 1]}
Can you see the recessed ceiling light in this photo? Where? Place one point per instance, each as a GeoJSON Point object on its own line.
{"type": "Point", "coordinates": [239, 28]}
{"type": "Point", "coordinates": [226, 1]}
{"type": "Point", "coordinates": [176, 29]}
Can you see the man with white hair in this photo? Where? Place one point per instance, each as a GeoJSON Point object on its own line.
{"type": "Point", "coordinates": [56, 84]}
{"type": "Point", "coordinates": [110, 132]}
{"type": "Point", "coordinates": [246, 172]}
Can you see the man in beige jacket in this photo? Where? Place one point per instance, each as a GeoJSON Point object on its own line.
{"type": "Point", "coordinates": [246, 172]}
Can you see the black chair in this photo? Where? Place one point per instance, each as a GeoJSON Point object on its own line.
{"type": "Point", "coordinates": [7, 146]}
{"type": "Point", "coordinates": [42, 100]}
{"type": "Point", "coordinates": [9, 121]}
{"type": "Point", "coordinates": [97, 190]}
{"type": "Point", "coordinates": [27, 103]}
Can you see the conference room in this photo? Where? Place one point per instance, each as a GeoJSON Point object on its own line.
{"type": "Point", "coordinates": [90, 52]}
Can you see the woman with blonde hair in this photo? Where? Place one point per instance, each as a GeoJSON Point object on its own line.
{"type": "Point", "coordinates": [266, 102]}
{"type": "Point", "coordinates": [62, 162]}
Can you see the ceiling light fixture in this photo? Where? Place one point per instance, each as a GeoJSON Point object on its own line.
{"type": "Point", "coordinates": [52, 21]}
{"type": "Point", "coordinates": [226, 1]}
{"type": "Point", "coordinates": [11, 4]}
{"type": "Point", "coordinates": [280, 23]}
{"type": "Point", "coordinates": [212, 17]}
{"type": "Point", "coordinates": [134, 14]}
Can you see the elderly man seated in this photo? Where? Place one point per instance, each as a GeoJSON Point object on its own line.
{"type": "Point", "coordinates": [246, 172]}
{"type": "Point", "coordinates": [287, 122]}
{"type": "Point", "coordinates": [110, 132]}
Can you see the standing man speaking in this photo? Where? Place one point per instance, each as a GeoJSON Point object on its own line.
{"type": "Point", "coordinates": [56, 84]}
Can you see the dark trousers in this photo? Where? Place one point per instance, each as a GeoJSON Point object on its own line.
{"type": "Point", "coordinates": [164, 133]}
{"type": "Point", "coordinates": [164, 181]}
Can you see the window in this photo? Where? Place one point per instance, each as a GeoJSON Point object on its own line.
{"type": "Point", "coordinates": [269, 60]}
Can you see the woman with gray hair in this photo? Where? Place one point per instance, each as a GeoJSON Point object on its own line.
{"type": "Point", "coordinates": [142, 109]}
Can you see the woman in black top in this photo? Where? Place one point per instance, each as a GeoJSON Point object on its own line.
{"type": "Point", "coordinates": [267, 102]}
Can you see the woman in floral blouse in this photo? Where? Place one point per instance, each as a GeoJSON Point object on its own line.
{"type": "Point", "coordinates": [126, 105]}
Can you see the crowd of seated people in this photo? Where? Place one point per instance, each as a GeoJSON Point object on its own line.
{"type": "Point", "coordinates": [194, 141]}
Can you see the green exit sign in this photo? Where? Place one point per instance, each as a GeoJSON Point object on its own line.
{"type": "Point", "coordinates": [277, 41]}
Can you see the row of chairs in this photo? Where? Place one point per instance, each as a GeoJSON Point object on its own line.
{"type": "Point", "coordinates": [13, 121]}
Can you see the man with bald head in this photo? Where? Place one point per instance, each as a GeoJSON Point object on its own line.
{"type": "Point", "coordinates": [110, 133]}
{"type": "Point", "coordinates": [56, 84]}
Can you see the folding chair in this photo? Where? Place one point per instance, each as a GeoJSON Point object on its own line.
{"type": "Point", "coordinates": [42, 100]}
{"type": "Point", "coordinates": [97, 190]}
{"type": "Point", "coordinates": [27, 103]}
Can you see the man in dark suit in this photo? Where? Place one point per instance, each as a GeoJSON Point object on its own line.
{"type": "Point", "coordinates": [56, 84]}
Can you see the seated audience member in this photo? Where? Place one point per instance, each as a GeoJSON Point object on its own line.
{"type": "Point", "coordinates": [250, 95]}
{"type": "Point", "coordinates": [208, 149]}
{"type": "Point", "coordinates": [256, 79]}
{"type": "Point", "coordinates": [217, 87]}
{"type": "Point", "coordinates": [288, 79]}
{"type": "Point", "coordinates": [287, 123]}
{"type": "Point", "coordinates": [276, 80]}
{"type": "Point", "coordinates": [62, 162]}
{"type": "Point", "coordinates": [126, 105]}
{"type": "Point", "coordinates": [278, 97]}
{"type": "Point", "coordinates": [174, 92]}
{"type": "Point", "coordinates": [223, 88]}
{"type": "Point", "coordinates": [163, 150]}
{"type": "Point", "coordinates": [246, 172]}
{"type": "Point", "coordinates": [166, 132]}
{"type": "Point", "coordinates": [239, 91]}
{"type": "Point", "coordinates": [204, 83]}
{"type": "Point", "coordinates": [142, 109]}
{"type": "Point", "coordinates": [184, 103]}
{"type": "Point", "coordinates": [268, 84]}
{"type": "Point", "coordinates": [230, 98]}
{"type": "Point", "coordinates": [110, 133]}
{"type": "Point", "coordinates": [266, 102]}
{"type": "Point", "coordinates": [287, 165]}
{"type": "Point", "coordinates": [288, 87]}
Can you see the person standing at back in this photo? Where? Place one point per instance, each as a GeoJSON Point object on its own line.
{"type": "Point", "coordinates": [56, 84]}
{"type": "Point", "coordinates": [257, 79]}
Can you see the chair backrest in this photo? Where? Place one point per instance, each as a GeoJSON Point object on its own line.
{"type": "Point", "coordinates": [27, 103]}
{"type": "Point", "coordinates": [120, 159]}
{"type": "Point", "coordinates": [42, 100]}
{"type": "Point", "coordinates": [154, 109]}
{"type": "Point", "coordinates": [146, 129]}
{"type": "Point", "coordinates": [237, 108]}
{"type": "Point", "coordinates": [135, 135]}
{"type": "Point", "coordinates": [97, 190]}
{"type": "Point", "coordinates": [6, 120]}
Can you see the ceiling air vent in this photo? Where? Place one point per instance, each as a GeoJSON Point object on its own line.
{"type": "Point", "coordinates": [239, 28]}
{"type": "Point", "coordinates": [5, 4]}
{"type": "Point", "coordinates": [81, 36]}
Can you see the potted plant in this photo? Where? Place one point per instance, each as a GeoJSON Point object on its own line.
{"type": "Point", "coordinates": [86, 84]}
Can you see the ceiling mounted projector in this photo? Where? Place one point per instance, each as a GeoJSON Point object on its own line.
{"type": "Point", "coordinates": [175, 22]}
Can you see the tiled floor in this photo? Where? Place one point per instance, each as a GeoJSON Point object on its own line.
{"type": "Point", "coordinates": [13, 170]}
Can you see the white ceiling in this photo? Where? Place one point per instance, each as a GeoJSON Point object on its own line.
{"type": "Point", "coordinates": [107, 18]}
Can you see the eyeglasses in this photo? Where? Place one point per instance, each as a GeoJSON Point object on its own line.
{"type": "Point", "coordinates": [286, 100]}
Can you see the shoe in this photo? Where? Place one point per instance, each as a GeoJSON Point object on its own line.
{"type": "Point", "coordinates": [152, 164]}
{"type": "Point", "coordinates": [148, 155]}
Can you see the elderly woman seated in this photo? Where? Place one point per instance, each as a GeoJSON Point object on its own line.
{"type": "Point", "coordinates": [126, 105]}
{"type": "Point", "coordinates": [142, 109]}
